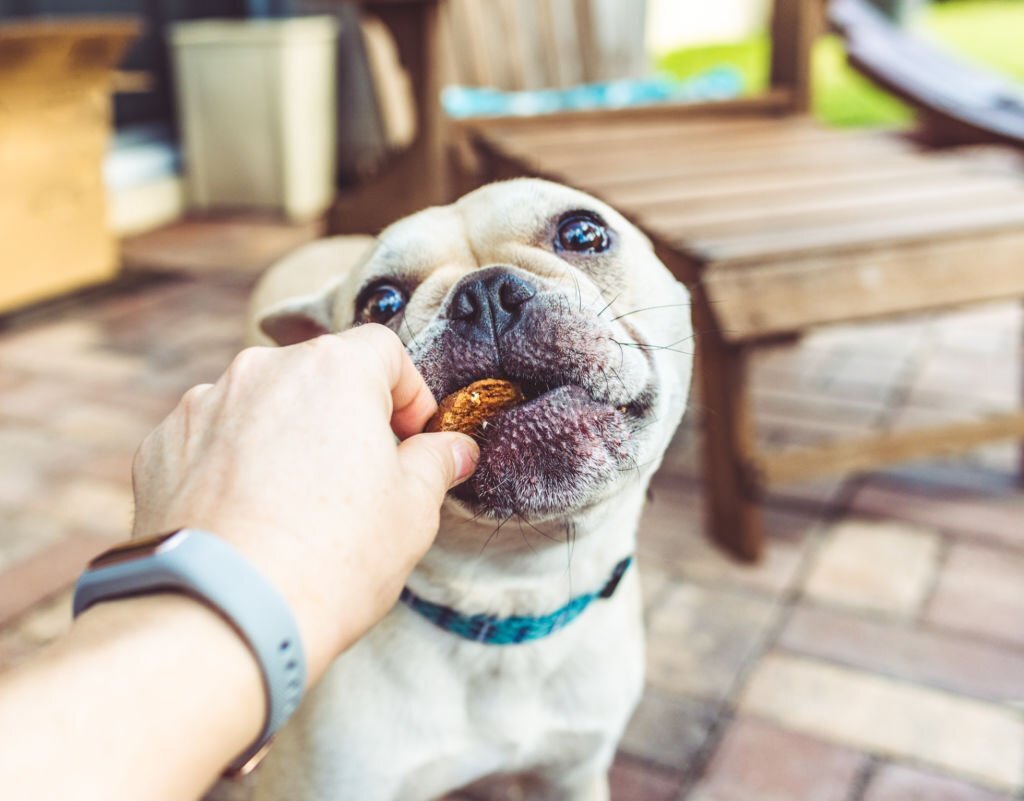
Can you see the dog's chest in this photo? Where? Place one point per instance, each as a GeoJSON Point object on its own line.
{"type": "Point", "coordinates": [525, 707]}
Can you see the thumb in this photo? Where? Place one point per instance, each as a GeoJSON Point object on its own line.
{"type": "Point", "coordinates": [438, 461]}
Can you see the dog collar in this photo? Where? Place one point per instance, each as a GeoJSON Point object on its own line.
{"type": "Point", "coordinates": [494, 630]}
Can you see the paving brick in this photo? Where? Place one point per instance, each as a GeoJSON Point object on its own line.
{"type": "Point", "coordinates": [630, 780]}
{"type": "Point", "coordinates": [668, 730]}
{"type": "Point", "coordinates": [19, 486]}
{"type": "Point", "coordinates": [886, 567]}
{"type": "Point", "coordinates": [974, 740]}
{"type": "Point", "coordinates": [35, 401]}
{"type": "Point", "coordinates": [201, 246]}
{"type": "Point", "coordinates": [26, 532]}
{"type": "Point", "coordinates": [673, 537]}
{"type": "Point", "coordinates": [981, 591]}
{"type": "Point", "coordinates": [964, 512]}
{"type": "Point", "coordinates": [682, 458]}
{"type": "Point", "coordinates": [101, 426]}
{"type": "Point", "coordinates": [700, 639]}
{"type": "Point", "coordinates": [843, 414]}
{"type": "Point", "coordinates": [967, 379]}
{"type": "Point", "coordinates": [653, 581]}
{"type": "Point", "coordinates": [90, 504]}
{"type": "Point", "coordinates": [44, 623]}
{"type": "Point", "coordinates": [45, 338]}
{"type": "Point", "coordinates": [924, 656]}
{"type": "Point", "coordinates": [114, 468]}
{"type": "Point", "coordinates": [69, 350]}
{"type": "Point", "coordinates": [46, 573]}
{"type": "Point", "coordinates": [34, 449]}
{"type": "Point", "coordinates": [757, 761]}
{"type": "Point", "coordinates": [634, 781]}
{"type": "Point", "coordinates": [819, 495]}
{"type": "Point", "coordinates": [902, 783]}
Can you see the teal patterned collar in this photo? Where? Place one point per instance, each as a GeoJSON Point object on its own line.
{"type": "Point", "coordinates": [494, 630]}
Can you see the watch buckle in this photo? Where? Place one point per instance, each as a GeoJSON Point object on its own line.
{"type": "Point", "coordinates": [247, 767]}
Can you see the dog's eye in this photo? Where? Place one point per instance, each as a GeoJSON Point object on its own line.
{"type": "Point", "coordinates": [381, 303]}
{"type": "Point", "coordinates": [582, 233]}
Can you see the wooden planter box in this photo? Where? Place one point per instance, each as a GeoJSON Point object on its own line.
{"type": "Point", "coordinates": [55, 111]}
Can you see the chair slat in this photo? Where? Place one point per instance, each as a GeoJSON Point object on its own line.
{"type": "Point", "coordinates": [545, 22]}
{"type": "Point", "coordinates": [796, 213]}
{"type": "Point", "coordinates": [514, 45]}
{"type": "Point", "coordinates": [657, 183]}
{"type": "Point", "coordinates": [856, 234]}
{"type": "Point", "coordinates": [470, 31]}
{"type": "Point", "coordinates": [713, 185]}
{"type": "Point", "coordinates": [587, 41]}
{"type": "Point", "coordinates": [562, 135]}
{"type": "Point", "coordinates": [763, 299]}
{"type": "Point", "coordinates": [577, 168]}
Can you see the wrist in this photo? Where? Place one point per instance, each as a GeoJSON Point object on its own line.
{"type": "Point", "coordinates": [178, 642]}
{"type": "Point", "coordinates": [199, 564]}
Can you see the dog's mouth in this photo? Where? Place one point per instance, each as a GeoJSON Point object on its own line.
{"type": "Point", "coordinates": [589, 388]}
{"type": "Point", "coordinates": [551, 452]}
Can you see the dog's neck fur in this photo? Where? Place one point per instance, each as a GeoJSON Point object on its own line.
{"type": "Point", "coordinates": [509, 577]}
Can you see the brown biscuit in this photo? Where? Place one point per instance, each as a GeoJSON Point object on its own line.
{"type": "Point", "coordinates": [471, 407]}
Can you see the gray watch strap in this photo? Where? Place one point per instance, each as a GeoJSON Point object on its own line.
{"type": "Point", "coordinates": [202, 565]}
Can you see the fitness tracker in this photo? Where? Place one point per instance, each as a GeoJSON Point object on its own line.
{"type": "Point", "coordinates": [205, 567]}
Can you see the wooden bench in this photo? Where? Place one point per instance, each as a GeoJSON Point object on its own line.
{"type": "Point", "coordinates": [778, 225]}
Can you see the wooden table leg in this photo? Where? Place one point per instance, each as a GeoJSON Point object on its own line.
{"type": "Point", "coordinates": [734, 513]}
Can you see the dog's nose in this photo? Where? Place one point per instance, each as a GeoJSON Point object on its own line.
{"type": "Point", "coordinates": [489, 302]}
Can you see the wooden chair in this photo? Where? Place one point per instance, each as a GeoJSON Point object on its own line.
{"type": "Point", "coordinates": [518, 45]}
{"type": "Point", "coordinates": [508, 44]}
{"type": "Point", "coordinates": [778, 224]}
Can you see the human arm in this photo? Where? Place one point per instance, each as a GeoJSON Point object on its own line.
{"type": "Point", "coordinates": [291, 458]}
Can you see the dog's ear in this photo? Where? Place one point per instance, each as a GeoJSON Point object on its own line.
{"type": "Point", "coordinates": [294, 300]}
{"type": "Point", "coordinates": [298, 319]}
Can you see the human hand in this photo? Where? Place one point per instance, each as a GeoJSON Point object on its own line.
{"type": "Point", "coordinates": [291, 457]}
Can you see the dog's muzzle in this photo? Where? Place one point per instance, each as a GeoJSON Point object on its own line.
{"type": "Point", "coordinates": [586, 393]}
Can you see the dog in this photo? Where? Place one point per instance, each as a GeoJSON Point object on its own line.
{"type": "Point", "coordinates": [518, 645]}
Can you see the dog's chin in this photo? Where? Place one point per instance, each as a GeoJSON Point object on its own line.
{"type": "Point", "coordinates": [551, 456]}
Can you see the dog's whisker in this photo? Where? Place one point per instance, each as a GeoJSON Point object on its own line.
{"type": "Point", "coordinates": [651, 308]}
{"type": "Point", "coordinates": [641, 346]}
{"type": "Point", "coordinates": [405, 321]}
{"type": "Point", "coordinates": [636, 467]}
{"type": "Point", "coordinates": [608, 305]}
{"type": "Point", "coordinates": [493, 534]}
{"type": "Point", "coordinates": [523, 534]}
{"type": "Point", "coordinates": [539, 531]}
{"type": "Point", "coordinates": [622, 383]}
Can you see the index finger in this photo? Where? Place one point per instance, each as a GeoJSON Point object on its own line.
{"type": "Point", "coordinates": [411, 400]}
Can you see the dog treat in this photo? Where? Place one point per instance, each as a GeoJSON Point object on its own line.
{"type": "Point", "coordinates": [469, 409]}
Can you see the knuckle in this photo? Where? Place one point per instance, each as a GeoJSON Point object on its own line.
{"type": "Point", "coordinates": [192, 396]}
{"type": "Point", "coordinates": [248, 360]}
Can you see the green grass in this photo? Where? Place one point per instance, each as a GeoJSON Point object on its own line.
{"type": "Point", "coordinates": [989, 32]}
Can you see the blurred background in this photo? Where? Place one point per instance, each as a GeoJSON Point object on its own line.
{"type": "Point", "coordinates": [833, 554]}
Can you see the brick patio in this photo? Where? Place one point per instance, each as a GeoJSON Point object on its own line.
{"type": "Point", "coordinates": [876, 655]}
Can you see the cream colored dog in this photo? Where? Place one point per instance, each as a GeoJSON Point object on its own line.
{"type": "Point", "coordinates": [544, 285]}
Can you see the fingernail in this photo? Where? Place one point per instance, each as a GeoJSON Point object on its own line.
{"type": "Point", "coordinates": [466, 454]}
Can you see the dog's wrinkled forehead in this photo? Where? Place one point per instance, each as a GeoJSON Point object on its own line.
{"type": "Point", "coordinates": [511, 223]}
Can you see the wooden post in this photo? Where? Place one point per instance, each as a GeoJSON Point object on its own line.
{"type": "Point", "coordinates": [795, 25]}
{"type": "Point", "coordinates": [734, 514]}
{"type": "Point", "coordinates": [418, 177]}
